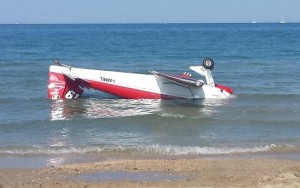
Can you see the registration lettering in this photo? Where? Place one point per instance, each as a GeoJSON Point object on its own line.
{"type": "Point", "coordinates": [110, 80]}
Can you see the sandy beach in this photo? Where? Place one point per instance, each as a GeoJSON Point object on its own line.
{"type": "Point", "coordinates": [248, 172]}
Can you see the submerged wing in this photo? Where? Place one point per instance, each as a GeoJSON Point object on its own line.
{"type": "Point", "coordinates": [180, 80]}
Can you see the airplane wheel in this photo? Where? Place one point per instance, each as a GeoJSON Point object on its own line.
{"type": "Point", "coordinates": [208, 63]}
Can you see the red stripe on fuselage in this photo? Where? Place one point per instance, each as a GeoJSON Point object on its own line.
{"type": "Point", "coordinates": [128, 93]}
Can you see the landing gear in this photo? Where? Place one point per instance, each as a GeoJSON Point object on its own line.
{"type": "Point", "coordinates": [57, 62]}
{"type": "Point", "coordinates": [208, 63]}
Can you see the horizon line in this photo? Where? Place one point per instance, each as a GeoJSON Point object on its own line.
{"type": "Point", "coordinates": [128, 23]}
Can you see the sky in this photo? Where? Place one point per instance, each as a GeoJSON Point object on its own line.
{"type": "Point", "coordinates": [148, 11]}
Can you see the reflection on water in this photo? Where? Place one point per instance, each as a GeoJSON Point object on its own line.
{"type": "Point", "coordinates": [102, 108]}
{"type": "Point", "coordinates": [195, 108]}
{"type": "Point", "coordinates": [108, 108]}
{"type": "Point", "coordinates": [54, 161]}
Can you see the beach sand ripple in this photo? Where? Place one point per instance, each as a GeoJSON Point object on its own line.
{"type": "Point", "coordinates": [196, 172]}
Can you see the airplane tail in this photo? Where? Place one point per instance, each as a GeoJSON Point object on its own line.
{"type": "Point", "coordinates": [60, 85]}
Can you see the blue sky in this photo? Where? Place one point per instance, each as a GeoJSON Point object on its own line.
{"type": "Point", "coordinates": [148, 11]}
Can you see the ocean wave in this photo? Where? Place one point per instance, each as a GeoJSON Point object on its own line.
{"type": "Point", "coordinates": [197, 150]}
{"type": "Point", "coordinates": [49, 150]}
{"type": "Point", "coordinates": [155, 149]}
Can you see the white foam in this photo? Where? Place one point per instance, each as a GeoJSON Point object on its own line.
{"type": "Point", "coordinates": [171, 115]}
{"type": "Point", "coordinates": [151, 149]}
{"type": "Point", "coordinates": [187, 150]}
{"type": "Point", "coordinates": [51, 150]}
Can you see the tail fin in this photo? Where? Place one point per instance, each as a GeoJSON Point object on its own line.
{"type": "Point", "coordinates": [60, 85]}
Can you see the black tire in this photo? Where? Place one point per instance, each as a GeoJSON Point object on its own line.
{"type": "Point", "coordinates": [208, 63]}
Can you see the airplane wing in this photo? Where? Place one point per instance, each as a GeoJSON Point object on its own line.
{"type": "Point", "coordinates": [180, 80]}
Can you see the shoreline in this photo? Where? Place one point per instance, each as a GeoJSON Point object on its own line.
{"type": "Point", "coordinates": [206, 172]}
{"type": "Point", "coordinates": [47, 160]}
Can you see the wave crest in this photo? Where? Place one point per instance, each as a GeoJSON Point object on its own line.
{"type": "Point", "coordinates": [155, 149]}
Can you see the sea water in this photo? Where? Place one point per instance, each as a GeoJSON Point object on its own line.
{"type": "Point", "coordinates": [261, 62]}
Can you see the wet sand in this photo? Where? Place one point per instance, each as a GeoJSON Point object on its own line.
{"type": "Point", "coordinates": [245, 172]}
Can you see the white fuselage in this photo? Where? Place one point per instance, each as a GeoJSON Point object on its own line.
{"type": "Point", "coordinates": [134, 85]}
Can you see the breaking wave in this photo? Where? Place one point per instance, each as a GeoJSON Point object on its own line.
{"type": "Point", "coordinates": [165, 150]}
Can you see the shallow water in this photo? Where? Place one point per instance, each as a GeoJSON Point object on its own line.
{"type": "Point", "coordinates": [261, 62]}
{"type": "Point", "coordinates": [131, 176]}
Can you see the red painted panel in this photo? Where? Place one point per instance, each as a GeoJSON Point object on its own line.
{"type": "Point", "coordinates": [225, 88]}
{"type": "Point", "coordinates": [128, 93]}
